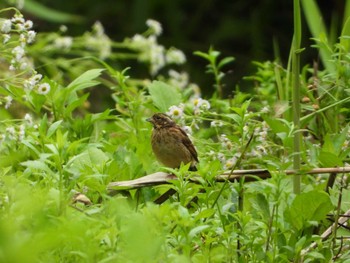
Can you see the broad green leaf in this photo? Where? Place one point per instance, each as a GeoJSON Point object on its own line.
{"type": "Point", "coordinates": [277, 125]}
{"type": "Point", "coordinates": [309, 206]}
{"type": "Point", "coordinates": [76, 102]}
{"type": "Point", "coordinates": [205, 213]}
{"type": "Point", "coordinates": [237, 118]}
{"type": "Point", "coordinates": [38, 165]}
{"type": "Point", "coordinates": [53, 127]}
{"type": "Point", "coordinates": [85, 80]}
{"type": "Point", "coordinates": [164, 95]}
{"type": "Point", "coordinates": [328, 159]}
{"type": "Point", "coordinates": [263, 205]}
{"type": "Point", "coordinates": [91, 157]}
{"type": "Point", "coordinates": [196, 230]}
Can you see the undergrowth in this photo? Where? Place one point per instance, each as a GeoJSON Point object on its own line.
{"type": "Point", "coordinates": [58, 140]}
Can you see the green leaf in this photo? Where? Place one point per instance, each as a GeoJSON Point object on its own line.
{"type": "Point", "coordinates": [85, 80]}
{"type": "Point", "coordinates": [309, 206]}
{"type": "Point", "coordinates": [263, 204]}
{"type": "Point", "coordinates": [202, 54]}
{"type": "Point", "coordinates": [196, 230]}
{"type": "Point", "coordinates": [237, 118]}
{"type": "Point", "coordinates": [344, 40]}
{"type": "Point", "coordinates": [205, 213]}
{"type": "Point", "coordinates": [328, 159]}
{"type": "Point", "coordinates": [37, 165]}
{"type": "Point", "coordinates": [75, 103]}
{"type": "Point", "coordinates": [163, 95]}
{"type": "Point", "coordinates": [49, 14]}
{"type": "Point", "coordinates": [89, 158]}
{"type": "Point", "coordinates": [43, 125]}
{"type": "Point", "coordinates": [225, 61]}
{"type": "Point", "coordinates": [277, 125]}
{"type": "Point", "coordinates": [52, 129]}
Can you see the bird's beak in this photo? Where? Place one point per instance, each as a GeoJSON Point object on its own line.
{"type": "Point", "coordinates": [149, 119]}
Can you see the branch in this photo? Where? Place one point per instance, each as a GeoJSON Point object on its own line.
{"type": "Point", "coordinates": [342, 219]}
{"type": "Point", "coordinates": [160, 178]}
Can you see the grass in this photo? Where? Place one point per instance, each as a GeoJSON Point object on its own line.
{"type": "Point", "coordinates": [55, 143]}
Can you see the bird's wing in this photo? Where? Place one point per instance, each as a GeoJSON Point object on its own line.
{"type": "Point", "coordinates": [189, 145]}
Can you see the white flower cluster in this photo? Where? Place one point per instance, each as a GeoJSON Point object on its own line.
{"type": "Point", "coordinates": [153, 53]}
{"type": "Point", "coordinates": [64, 43]}
{"type": "Point", "coordinates": [177, 79]}
{"type": "Point", "coordinates": [17, 26]}
{"type": "Point", "coordinates": [98, 41]}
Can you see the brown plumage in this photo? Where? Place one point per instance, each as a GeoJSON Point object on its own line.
{"type": "Point", "coordinates": [171, 144]}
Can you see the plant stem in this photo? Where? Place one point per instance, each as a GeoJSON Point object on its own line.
{"type": "Point", "coordinates": [296, 95]}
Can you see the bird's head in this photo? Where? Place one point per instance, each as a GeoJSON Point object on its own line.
{"type": "Point", "coordinates": [161, 120]}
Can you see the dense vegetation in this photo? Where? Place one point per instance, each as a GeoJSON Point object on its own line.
{"type": "Point", "coordinates": [59, 150]}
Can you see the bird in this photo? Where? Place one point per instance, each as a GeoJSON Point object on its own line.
{"type": "Point", "coordinates": [170, 143]}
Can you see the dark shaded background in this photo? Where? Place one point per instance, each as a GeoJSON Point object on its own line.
{"type": "Point", "coordinates": [245, 29]}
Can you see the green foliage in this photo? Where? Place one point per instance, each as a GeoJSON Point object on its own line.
{"type": "Point", "coordinates": [163, 95]}
{"type": "Point", "coordinates": [55, 146]}
{"type": "Point", "coordinates": [215, 66]}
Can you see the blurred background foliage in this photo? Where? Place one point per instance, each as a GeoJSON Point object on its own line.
{"type": "Point", "coordinates": [248, 30]}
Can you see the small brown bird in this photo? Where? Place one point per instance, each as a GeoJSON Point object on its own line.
{"type": "Point", "coordinates": [171, 144]}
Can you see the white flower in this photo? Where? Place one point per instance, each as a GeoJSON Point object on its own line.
{"type": "Point", "coordinates": [31, 36]}
{"type": "Point", "coordinates": [187, 129]}
{"type": "Point", "coordinates": [230, 163]}
{"type": "Point", "coordinates": [246, 128]}
{"type": "Point", "coordinates": [139, 41]}
{"type": "Point", "coordinates": [8, 100]}
{"type": "Point", "coordinates": [18, 52]}
{"type": "Point", "coordinates": [44, 88]}
{"type": "Point", "coordinates": [28, 24]}
{"type": "Point", "coordinates": [200, 103]}
{"type": "Point", "coordinates": [63, 28]}
{"type": "Point", "coordinates": [21, 132]}
{"type": "Point", "coordinates": [98, 29]}
{"type": "Point", "coordinates": [28, 118]}
{"type": "Point", "coordinates": [18, 19]}
{"type": "Point", "coordinates": [6, 26]}
{"type": "Point", "coordinates": [11, 131]}
{"type": "Point", "coordinates": [23, 65]}
{"type": "Point", "coordinates": [155, 26]}
{"type": "Point", "coordinates": [221, 157]}
{"type": "Point", "coordinates": [175, 112]}
{"type": "Point", "coordinates": [6, 37]}
{"type": "Point", "coordinates": [178, 79]}
{"type": "Point", "coordinates": [175, 56]}
{"type": "Point", "coordinates": [31, 82]}
{"type": "Point", "coordinates": [157, 59]}
{"type": "Point", "coordinates": [63, 42]}
{"type": "Point", "coordinates": [20, 27]}
{"type": "Point", "coordinates": [225, 142]}
{"type": "Point", "coordinates": [22, 38]}
{"type": "Point", "coordinates": [265, 109]}
{"type": "Point", "coordinates": [37, 78]}
{"type": "Point", "coordinates": [216, 123]}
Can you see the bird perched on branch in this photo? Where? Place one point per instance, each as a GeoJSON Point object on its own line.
{"type": "Point", "coordinates": [171, 144]}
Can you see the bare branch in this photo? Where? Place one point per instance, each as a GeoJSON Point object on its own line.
{"type": "Point", "coordinates": [249, 175]}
